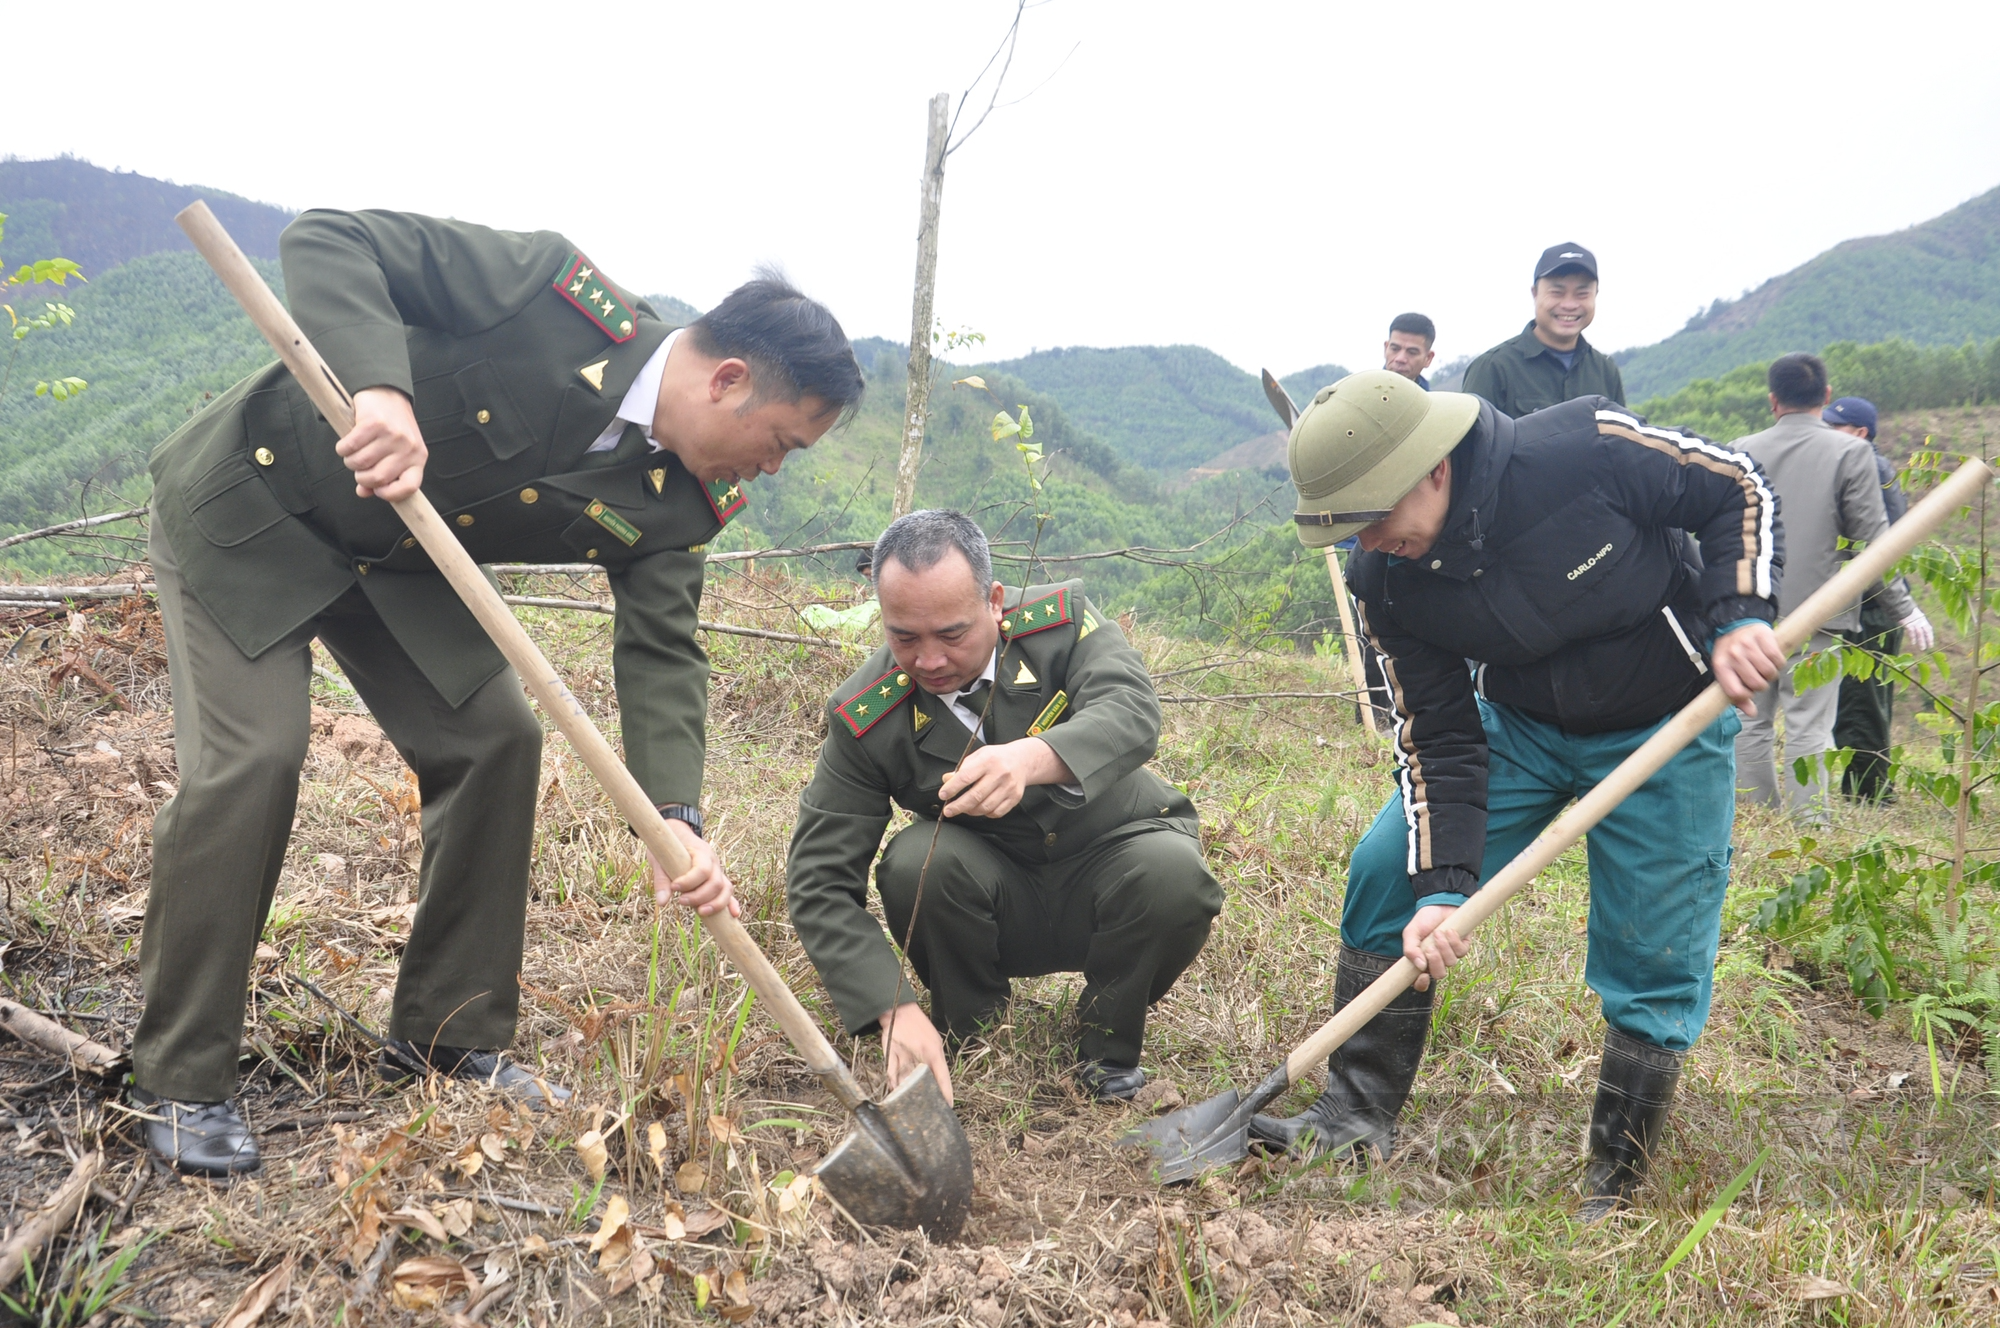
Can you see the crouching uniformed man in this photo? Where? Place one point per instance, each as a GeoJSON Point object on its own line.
{"type": "Point", "coordinates": [1545, 551]}
{"type": "Point", "coordinates": [550, 416]}
{"type": "Point", "coordinates": [1016, 728]}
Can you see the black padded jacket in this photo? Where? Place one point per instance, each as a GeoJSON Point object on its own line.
{"type": "Point", "coordinates": [1558, 587]}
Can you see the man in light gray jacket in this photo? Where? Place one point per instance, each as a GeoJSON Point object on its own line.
{"type": "Point", "coordinates": [1828, 491]}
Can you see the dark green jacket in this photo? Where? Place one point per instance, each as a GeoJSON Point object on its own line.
{"type": "Point", "coordinates": [512, 381]}
{"type": "Point", "coordinates": [1521, 376]}
{"type": "Point", "coordinates": [890, 741]}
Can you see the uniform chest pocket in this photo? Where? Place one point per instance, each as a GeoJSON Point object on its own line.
{"type": "Point", "coordinates": [469, 419]}
{"type": "Point", "coordinates": [231, 504]}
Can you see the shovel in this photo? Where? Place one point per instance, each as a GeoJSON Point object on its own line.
{"type": "Point", "coordinates": [906, 1162]}
{"type": "Point", "coordinates": [1217, 1132]}
{"type": "Point", "coordinates": [1364, 709]}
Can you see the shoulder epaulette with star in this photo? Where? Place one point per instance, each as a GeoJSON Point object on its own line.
{"type": "Point", "coordinates": [579, 282]}
{"type": "Point", "coordinates": [1049, 611]}
{"type": "Point", "coordinates": [726, 497]}
{"type": "Point", "coordinates": [864, 710]}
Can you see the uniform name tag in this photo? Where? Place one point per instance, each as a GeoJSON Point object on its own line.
{"type": "Point", "coordinates": [579, 282]}
{"type": "Point", "coordinates": [612, 522]}
{"type": "Point", "coordinates": [1050, 714]}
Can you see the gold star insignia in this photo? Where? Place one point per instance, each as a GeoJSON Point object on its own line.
{"type": "Point", "coordinates": [860, 710]}
{"type": "Point", "coordinates": [887, 690]}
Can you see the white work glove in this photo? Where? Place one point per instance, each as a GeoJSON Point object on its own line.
{"type": "Point", "coordinates": [1918, 635]}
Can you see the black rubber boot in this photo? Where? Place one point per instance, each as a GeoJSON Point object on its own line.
{"type": "Point", "coordinates": [1635, 1086]}
{"type": "Point", "coordinates": [1368, 1077]}
{"type": "Point", "coordinates": [198, 1138]}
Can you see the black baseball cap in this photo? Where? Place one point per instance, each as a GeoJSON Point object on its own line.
{"type": "Point", "coordinates": [1559, 256]}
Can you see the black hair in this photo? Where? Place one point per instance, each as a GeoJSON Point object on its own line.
{"type": "Point", "coordinates": [794, 345]}
{"type": "Point", "coordinates": [921, 538]}
{"type": "Point", "coordinates": [1417, 326]}
{"type": "Point", "coordinates": [1798, 379]}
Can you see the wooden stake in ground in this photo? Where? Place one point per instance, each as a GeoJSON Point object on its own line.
{"type": "Point", "coordinates": [917, 401]}
{"type": "Point", "coordinates": [40, 1031]}
{"type": "Point", "coordinates": [1364, 710]}
{"type": "Point", "coordinates": [36, 1233]}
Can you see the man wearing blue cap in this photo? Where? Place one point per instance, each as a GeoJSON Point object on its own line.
{"type": "Point", "coordinates": [1867, 705]}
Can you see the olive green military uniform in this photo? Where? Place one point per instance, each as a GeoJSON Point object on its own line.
{"type": "Point", "coordinates": [517, 355]}
{"type": "Point", "coordinates": [1521, 375]}
{"type": "Point", "coordinates": [1107, 880]}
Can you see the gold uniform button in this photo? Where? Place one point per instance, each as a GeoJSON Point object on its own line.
{"type": "Point", "coordinates": [484, 417]}
{"type": "Point", "coordinates": [361, 568]}
{"type": "Point", "coordinates": [590, 553]}
{"type": "Point", "coordinates": [465, 518]}
{"type": "Point", "coordinates": [264, 457]}
{"type": "Point", "coordinates": [1006, 624]}
{"type": "Point", "coordinates": [530, 496]}
{"type": "Point", "coordinates": [1051, 839]}
{"type": "Point", "coordinates": [410, 543]}
{"type": "Point", "coordinates": [902, 680]}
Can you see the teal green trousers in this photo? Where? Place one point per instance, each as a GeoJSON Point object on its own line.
{"type": "Point", "coordinates": [1659, 863]}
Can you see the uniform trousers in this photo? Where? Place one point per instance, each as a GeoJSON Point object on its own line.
{"type": "Point", "coordinates": [241, 728]}
{"type": "Point", "coordinates": [1659, 863]}
{"type": "Point", "coordinates": [1808, 733]}
{"type": "Point", "coordinates": [1130, 912]}
{"type": "Point", "coordinates": [1865, 714]}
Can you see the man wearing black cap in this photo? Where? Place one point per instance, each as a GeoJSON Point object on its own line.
{"type": "Point", "coordinates": [1867, 706]}
{"type": "Point", "coordinates": [1550, 362]}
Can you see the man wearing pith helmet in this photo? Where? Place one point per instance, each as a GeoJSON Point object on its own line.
{"type": "Point", "coordinates": [1521, 584]}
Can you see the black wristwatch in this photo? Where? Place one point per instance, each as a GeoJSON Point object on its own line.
{"type": "Point", "coordinates": [680, 811]}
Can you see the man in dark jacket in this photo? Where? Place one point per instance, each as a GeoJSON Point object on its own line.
{"type": "Point", "coordinates": [550, 416]}
{"type": "Point", "coordinates": [1550, 362]}
{"type": "Point", "coordinates": [1544, 551]}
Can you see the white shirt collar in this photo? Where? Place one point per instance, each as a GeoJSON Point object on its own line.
{"type": "Point", "coordinates": [954, 701]}
{"type": "Point", "coordinates": [642, 399]}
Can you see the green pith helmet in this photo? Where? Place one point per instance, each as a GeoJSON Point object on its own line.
{"type": "Point", "coordinates": [1365, 442]}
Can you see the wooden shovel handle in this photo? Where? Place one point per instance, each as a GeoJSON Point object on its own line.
{"type": "Point", "coordinates": [1353, 640]}
{"type": "Point", "coordinates": [1796, 628]}
{"type": "Point", "coordinates": [543, 682]}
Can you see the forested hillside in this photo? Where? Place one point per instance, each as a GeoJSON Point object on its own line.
{"type": "Point", "coordinates": [1935, 283]}
{"type": "Point", "coordinates": [101, 218]}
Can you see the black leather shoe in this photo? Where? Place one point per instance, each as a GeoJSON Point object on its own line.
{"type": "Point", "coordinates": [402, 1060]}
{"type": "Point", "coordinates": [198, 1138]}
{"type": "Point", "coordinates": [1635, 1086]}
{"type": "Point", "coordinates": [1368, 1077]}
{"type": "Point", "coordinates": [1109, 1083]}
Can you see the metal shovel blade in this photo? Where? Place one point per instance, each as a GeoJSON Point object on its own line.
{"type": "Point", "coordinates": [906, 1163]}
{"type": "Point", "coordinates": [1189, 1141]}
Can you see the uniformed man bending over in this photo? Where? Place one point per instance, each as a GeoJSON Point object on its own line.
{"type": "Point", "coordinates": [1547, 550]}
{"type": "Point", "coordinates": [1041, 845]}
{"type": "Point", "coordinates": [550, 416]}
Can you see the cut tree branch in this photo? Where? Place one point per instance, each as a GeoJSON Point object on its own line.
{"type": "Point", "coordinates": [36, 1233]}
{"type": "Point", "coordinates": [38, 1030]}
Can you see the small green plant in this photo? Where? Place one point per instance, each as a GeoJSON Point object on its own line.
{"type": "Point", "coordinates": [53, 315]}
{"type": "Point", "coordinates": [90, 1280]}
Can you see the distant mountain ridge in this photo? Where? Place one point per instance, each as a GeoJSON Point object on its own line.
{"type": "Point", "coordinates": [102, 219]}
{"type": "Point", "coordinates": [1935, 283]}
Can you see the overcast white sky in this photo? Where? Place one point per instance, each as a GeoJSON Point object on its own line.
{"type": "Point", "coordinates": [1272, 180]}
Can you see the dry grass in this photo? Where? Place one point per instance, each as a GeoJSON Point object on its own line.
{"type": "Point", "coordinates": [1873, 1190]}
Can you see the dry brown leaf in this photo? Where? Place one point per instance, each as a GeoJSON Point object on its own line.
{"type": "Point", "coordinates": [637, 1269]}
{"type": "Point", "coordinates": [1811, 1288]}
{"type": "Point", "coordinates": [590, 1147]}
{"type": "Point", "coordinates": [614, 1240]}
{"type": "Point", "coordinates": [691, 1178]}
{"type": "Point", "coordinates": [426, 1283]}
{"type": "Point", "coordinates": [794, 1194]}
{"type": "Point", "coordinates": [258, 1297]}
{"type": "Point", "coordinates": [736, 1306]}
{"type": "Point", "coordinates": [493, 1146]}
{"type": "Point", "coordinates": [673, 1228]}
{"type": "Point", "coordinates": [456, 1216]}
{"type": "Point", "coordinates": [267, 953]}
{"type": "Point", "coordinates": [412, 1216]}
{"type": "Point", "coordinates": [468, 1160]}
{"type": "Point", "coordinates": [656, 1146]}
{"type": "Point", "coordinates": [723, 1130]}
{"type": "Point", "coordinates": [704, 1220]}
{"type": "Point", "coordinates": [533, 1246]}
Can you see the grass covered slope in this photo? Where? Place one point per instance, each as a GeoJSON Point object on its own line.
{"type": "Point", "coordinates": [1938, 282]}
